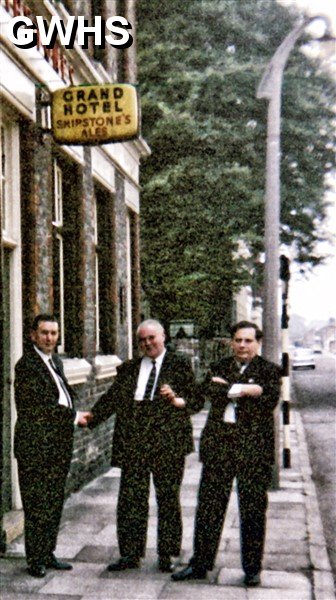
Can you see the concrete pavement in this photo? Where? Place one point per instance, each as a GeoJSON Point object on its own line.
{"type": "Point", "coordinates": [296, 564]}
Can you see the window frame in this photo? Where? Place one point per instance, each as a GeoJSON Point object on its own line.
{"type": "Point", "coordinates": [97, 267]}
{"type": "Point", "coordinates": [8, 189]}
{"type": "Point", "coordinates": [58, 237]}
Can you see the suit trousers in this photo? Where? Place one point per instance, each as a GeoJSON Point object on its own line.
{"type": "Point", "coordinates": [133, 505]}
{"type": "Point", "coordinates": [214, 494]}
{"type": "Point", "coordinates": [42, 492]}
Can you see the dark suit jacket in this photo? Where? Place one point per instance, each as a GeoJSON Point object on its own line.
{"type": "Point", "coordinates": [252, 437]}
{"type": "Point", "coordinates": [44, 428]}
{"type": "Point", "coordinates": [170, 427]}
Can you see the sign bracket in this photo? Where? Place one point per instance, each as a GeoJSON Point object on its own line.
{"type": "Point", "coordinates": [43, 111]}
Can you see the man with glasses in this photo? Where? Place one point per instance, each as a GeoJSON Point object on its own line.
{"type": "Point", "coordinates": [152, 397]}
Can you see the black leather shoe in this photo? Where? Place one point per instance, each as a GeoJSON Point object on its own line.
{"type": "Point", "coordinates": [37, 570]}
{"type": "Point", "coordinates": [190, 572]}
{"type": "Point", "coordinates": [125, 562]}
{"type": "Point", "coordinates": [165, 564]}
{"type": "Point", "coordinates": [53, 563]}
{"type": "Point", "coordinates": [252, 580]}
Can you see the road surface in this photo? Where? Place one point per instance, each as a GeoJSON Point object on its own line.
{"type": "Point", "coordinates": [315, 395]}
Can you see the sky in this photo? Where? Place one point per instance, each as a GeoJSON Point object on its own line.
{"type": "Point", "coordinates": [315, 7]}
{"type": "Point", "coordinates": [314, 297]}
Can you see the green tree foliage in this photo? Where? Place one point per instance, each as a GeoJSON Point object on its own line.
{"type": "Point", "coordinates": [200, 63]}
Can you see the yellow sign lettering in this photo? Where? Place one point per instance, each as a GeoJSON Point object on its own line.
{"type": "Point", "coordinates": [95, 114]}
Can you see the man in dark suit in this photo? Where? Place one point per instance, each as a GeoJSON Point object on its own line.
{"type": "Point", "coordinates": [152, 398]}
{"type": "Point", "coordinates": [43, 443]}
{"type": "Point", "coordinates": [237, 441]}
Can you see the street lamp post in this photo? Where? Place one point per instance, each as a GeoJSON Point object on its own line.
{"type": "Point", "coordinates": [270, 88]}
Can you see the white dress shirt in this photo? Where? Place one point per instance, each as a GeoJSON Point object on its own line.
{"type": "Point", "coordinates": [62, 398]}
{"type": "Point", "coordinates": [145, 369]}
{"type": "Point", "coordinates": [230, 409]}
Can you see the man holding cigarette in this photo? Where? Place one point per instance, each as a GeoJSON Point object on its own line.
{"type": "Point", "coordinates": [237, 441]}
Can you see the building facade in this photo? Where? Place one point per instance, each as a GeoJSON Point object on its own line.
{"type": "Point", "coordinates": [69, 226]}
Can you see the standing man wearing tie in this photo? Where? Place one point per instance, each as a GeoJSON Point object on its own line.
{"type": "Point", "coordinates": [152, 398]}
{"type": "Point", "coordinates": [237, 441]}
{"type": "Point", "coordinates": [43, 443]}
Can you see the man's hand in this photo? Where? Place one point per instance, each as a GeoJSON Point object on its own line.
{"type": "Point", "coordinates": [251, 389]}
{"type": "Point", "coordinates": [239, 390]}
{"type": "Point", "coordinates": [84, 418]}
{"type": "Point", "coordinates": [167, 392]}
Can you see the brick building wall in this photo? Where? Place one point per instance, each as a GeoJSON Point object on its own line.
{"type": "Point", "coordinates": [73, 242]}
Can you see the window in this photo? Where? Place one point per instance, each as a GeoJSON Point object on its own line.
{"type": "Point", "coordinates": [10, 210]}
{"type": "Point", "coordinates": [97, 265]}
{"type": "Point", "coordinates": [58, 252]}
{"type": "Point", "coordinates": [106, 286]}
{"type": "Point", "coordinates": [9, 180]}
{"type": "Point", "coordinates": [68, 255]}
{"type": "Point", "coordinates": [3, 177]}
{"type": "Point", "coordinates": [98, 10]}
{"type": "Point", "coordinates": [134, 259]}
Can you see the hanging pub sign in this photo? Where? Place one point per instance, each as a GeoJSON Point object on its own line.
{"type": "Point", "coordinates": [95, 114]}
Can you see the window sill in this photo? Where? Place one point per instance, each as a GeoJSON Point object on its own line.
{"type": "Point", "coordinates": [77, 370]}
{"type": "Point", "coordinates": [106, 366]}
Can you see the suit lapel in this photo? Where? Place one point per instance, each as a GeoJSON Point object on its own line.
{"type": "Point", "coordinates": [45, 378]}
{"type": "Point", "coordinates": [166, 368]}
{"type": "Point", "coordinates": [133, 374]}
{"type": "Point", "coordinates": [233, 374]}
{"type": "Point", "coordinates": [250, 370]}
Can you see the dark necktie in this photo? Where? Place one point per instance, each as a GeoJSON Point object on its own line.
{"type": "Point", "coordinates": [61, 381]}
{"type": "Point", "coordinates": [150, 382]}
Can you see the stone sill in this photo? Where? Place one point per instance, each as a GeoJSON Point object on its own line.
{"type": "Point", "coordinates": [77, 370]}
{"type": "Point", "coordinates": [106, 366]}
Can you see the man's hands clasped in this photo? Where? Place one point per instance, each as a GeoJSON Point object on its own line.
{"type": "Point", "coordinates": [246, 389]}
{"type": "Point", "coordinates": [84, 418]}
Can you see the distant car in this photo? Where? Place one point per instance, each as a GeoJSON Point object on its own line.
{"type": "Point", "coordinates": [303, 358]}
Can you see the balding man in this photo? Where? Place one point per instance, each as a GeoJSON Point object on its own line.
{"type": "Point", "coordinates": [152, 398]}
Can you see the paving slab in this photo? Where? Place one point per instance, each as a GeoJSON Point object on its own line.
{"type": "Point", "coordinates": [15, 596]}
{"type": "Point", "coordinates": [295, 566]}
{"type": "Point", "coordinates": [201, 591]}
{"type": "Point", "coordinates": [276, 594]}
{"type": "Point", "coordinates": [97, 554]}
